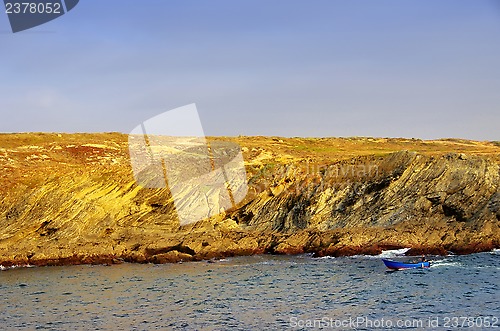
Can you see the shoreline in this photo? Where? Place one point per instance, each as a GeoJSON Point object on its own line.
{"type": "Point", "coordinates": [177, 257]}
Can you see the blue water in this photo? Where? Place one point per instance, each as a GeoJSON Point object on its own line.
{"type": "Point", "coordinates": [256, 293]}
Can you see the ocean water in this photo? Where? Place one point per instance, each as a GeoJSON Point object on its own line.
{"type": "Point", "coordinates": [256, 293]}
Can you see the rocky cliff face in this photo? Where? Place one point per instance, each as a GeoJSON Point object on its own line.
{"type": "Point", "coordinates": [73, 199]}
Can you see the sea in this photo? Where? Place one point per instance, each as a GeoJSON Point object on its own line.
{"type": "Point", "coordinates": [264, 292]}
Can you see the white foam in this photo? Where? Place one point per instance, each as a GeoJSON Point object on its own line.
{"type": "Point", "coordinates": [392, 253]}
{"type": "Point", "coordinates": [444, 263]}
{"type": "Point", "coordinates": [15, 266]}
{"type": "Point", "coordinates": [325, 257]}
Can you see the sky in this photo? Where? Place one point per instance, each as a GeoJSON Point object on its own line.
{"type": "Point", "coordinates": [323, 68]}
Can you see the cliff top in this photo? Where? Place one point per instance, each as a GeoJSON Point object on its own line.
{"type": "Point", "coordinates": [316, 149]}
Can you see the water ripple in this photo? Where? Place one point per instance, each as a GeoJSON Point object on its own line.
{"type": "Point", "coordinates": [245, 293]}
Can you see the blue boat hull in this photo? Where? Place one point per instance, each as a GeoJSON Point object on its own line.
{"type": "Point", "coordinates": [395, 265]}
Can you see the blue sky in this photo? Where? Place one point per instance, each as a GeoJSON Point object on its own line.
{"type": "Point", "coordinates": [424, 69]}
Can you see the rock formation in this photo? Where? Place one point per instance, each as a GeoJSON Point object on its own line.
{"type": "Point", "coordinates": [72, 198]}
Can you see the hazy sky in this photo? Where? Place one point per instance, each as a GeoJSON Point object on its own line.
{"type": "Point", "coordinates": [425, 69]}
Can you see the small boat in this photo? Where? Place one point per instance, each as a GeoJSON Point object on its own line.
{"type": "Point", "coordinates": [396, 265]}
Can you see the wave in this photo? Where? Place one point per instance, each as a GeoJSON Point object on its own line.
{"type": "Point", "coordinates": [390, 253]}
{"type": "Point", "coordinates": [16, 266]}
{"type": "Point", "coordinates": [445, 263]}
{"type": "Point", "coordinates": [393, 253]}
{"type": "Point", "coordinates": [324, 258]}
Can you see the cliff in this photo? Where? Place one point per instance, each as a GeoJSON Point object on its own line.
{"type": "Point", "coordinates": [72, 198]}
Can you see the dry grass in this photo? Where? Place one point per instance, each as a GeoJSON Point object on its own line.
{"type": "Point", "coordinates": [31, 151]}
{"type": "Point", "coordinates": [327, 150]}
